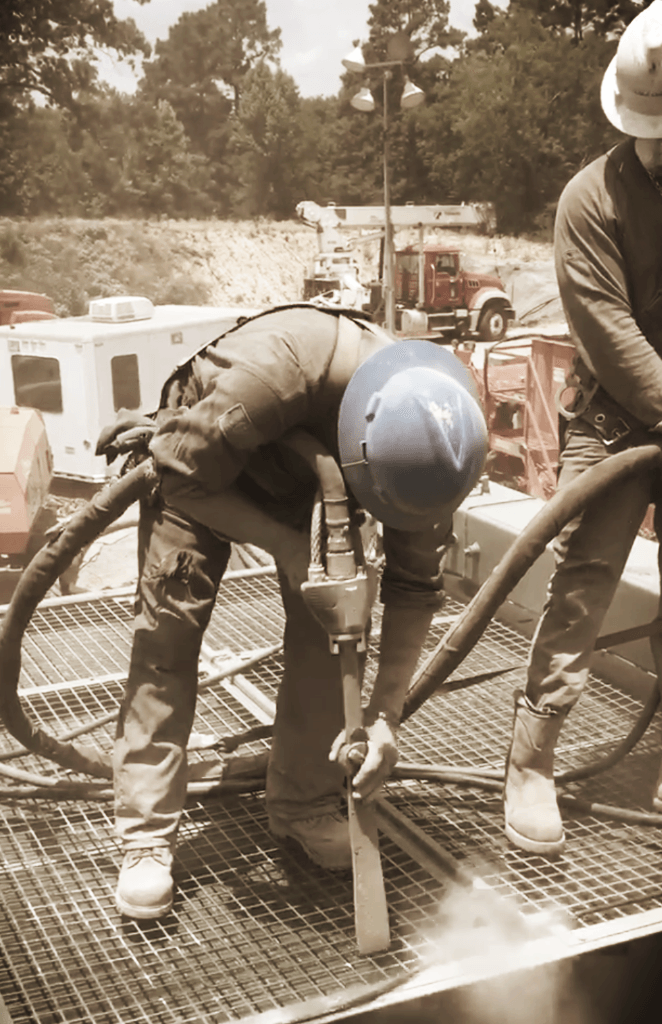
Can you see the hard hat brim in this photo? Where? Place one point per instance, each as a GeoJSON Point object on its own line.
{"type": "Point", "coordinates": [369, 378]}
{"type": "Point", "coordinates": [631, 122]}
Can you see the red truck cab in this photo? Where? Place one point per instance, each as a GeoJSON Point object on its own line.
{"type": "Point", "coordinates": [18, 307]}
{"type": "Point", "coordinates": [455, 301]}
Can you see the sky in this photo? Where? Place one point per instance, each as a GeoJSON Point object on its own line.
{"type": "Point", "coordinates": [316, 34]}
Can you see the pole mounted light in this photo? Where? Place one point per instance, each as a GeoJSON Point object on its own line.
{"type": "Point", "coordinates": [399, 49]}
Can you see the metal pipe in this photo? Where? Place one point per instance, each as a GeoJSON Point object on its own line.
{"type": "Point", "coordinates": [389, 284]}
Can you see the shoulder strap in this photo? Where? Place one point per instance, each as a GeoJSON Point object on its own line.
{"type": "Point", "coordinates": [363, 319]}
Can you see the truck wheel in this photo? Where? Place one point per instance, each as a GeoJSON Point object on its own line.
{"type": "Point", "coordinates": [492, 324]}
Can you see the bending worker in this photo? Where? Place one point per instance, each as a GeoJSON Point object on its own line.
{"type": "Point", "coordinates": [608, 250]}
{"type": "Point", "coordinates": [412, 440]}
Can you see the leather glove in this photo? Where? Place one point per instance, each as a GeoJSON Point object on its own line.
{"type": "Point", "coordinates": [130, 432]}
{"type": "Point", "coordinates": [374, 753]}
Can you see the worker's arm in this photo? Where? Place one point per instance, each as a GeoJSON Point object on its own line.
{"type": "Point", "coordinates": [596, 283]}
{"type": "Point", "coordinates": [403, 634]}
{"type": "Point", "coordinates": [412, 591]}
{"type": "Point", "coordinates": [240, 519]}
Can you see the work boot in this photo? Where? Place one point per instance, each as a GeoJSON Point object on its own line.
{"type": "Point", "coordinates": [324, 838]}
{"type": "Point", "coordinates": [657, 796]}
{"type": "Point", "coordinates": [144, 889]}
{"type": "Point", "coordinates": [533, 821]}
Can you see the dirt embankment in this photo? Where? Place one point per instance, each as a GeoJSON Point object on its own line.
{"type": "Point", "coordinates": [227, 263]}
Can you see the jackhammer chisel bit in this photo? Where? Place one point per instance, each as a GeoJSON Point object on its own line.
{"type": "Point", "coordinates": [343, 608]}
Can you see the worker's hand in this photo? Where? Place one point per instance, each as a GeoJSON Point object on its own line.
{"type": "Point", "coordinates": [378, 751]}
{"type": "Point", "coordinates": [293, 556]}
{"type": "Point", "coordinates": [129, 432]}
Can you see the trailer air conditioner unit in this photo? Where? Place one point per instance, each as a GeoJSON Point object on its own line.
{"type": "Point", "coordinates": [121, 309]}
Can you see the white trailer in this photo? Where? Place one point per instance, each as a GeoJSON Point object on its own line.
{"type": "Point", "coordinates": [79, 371]}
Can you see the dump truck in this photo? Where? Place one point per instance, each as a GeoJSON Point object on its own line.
{"type": "Point", "coordinates": [435, 294]}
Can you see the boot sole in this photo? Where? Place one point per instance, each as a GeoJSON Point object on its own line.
{"type": "Point", "coordinates": [141, 913]}
{"type": "Point", "coordinates": [534, 845]}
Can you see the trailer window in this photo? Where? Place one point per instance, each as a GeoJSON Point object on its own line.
{"type": "Point", "coordinates": [126, 382]}
{"type": "Point", "coordinates": [37, 383]}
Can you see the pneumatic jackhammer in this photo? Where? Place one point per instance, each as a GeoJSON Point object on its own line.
{"type": "Point", "coordinates": [340, 595]}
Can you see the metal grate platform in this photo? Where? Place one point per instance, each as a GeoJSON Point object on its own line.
{"type": "Point", "coordinates": [255, 928]}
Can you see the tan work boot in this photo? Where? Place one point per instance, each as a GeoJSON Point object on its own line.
{"type": "Point", "coordinates": [533, 821]}
{"type": "Point", "coordinates": [145, 887]}
{"type": "Point", "coordinates": [657, 795]}
{"type": "Point", "coordinates": [324, 838]}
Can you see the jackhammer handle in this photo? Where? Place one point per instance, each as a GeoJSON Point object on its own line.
{"type": "Point", "coordinates": [370, 906]}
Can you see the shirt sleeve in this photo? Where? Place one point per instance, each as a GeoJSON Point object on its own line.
{"type": "Point", "coordinates": [253, 392]}
{"type": "Point", "coordinates": [593, 282]}
{"type": "Point", "coordinates": [413, 571]}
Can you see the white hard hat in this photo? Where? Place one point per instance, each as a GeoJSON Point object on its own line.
{"type": "Point", "coordinates": [631, 92]}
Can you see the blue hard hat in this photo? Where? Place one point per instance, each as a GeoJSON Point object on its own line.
{"type": "Point", "coordinates": [411, 434]}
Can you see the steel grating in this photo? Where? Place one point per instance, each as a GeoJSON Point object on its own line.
{"type": "Point", "coordinates": [255, 927]}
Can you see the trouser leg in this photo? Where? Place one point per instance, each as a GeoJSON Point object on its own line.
{"type": "Point", "coordinates": [301, 781]}
{"type": "Point", "coordinates": [181, 565]}
{"type": "Point", "coordinates": [590, 554]}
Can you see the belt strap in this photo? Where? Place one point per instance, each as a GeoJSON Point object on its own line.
{"type": "Point", "coordinates": [610, 421]}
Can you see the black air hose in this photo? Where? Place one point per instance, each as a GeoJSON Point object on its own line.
{"type": "Point", "coordinates": [553, 516]}
{"type": "Point", "coordinates": [43, 571]}
{"type": "Point", "coordinates": [340, 558]}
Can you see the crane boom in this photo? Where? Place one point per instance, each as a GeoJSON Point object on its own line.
{"type": "Point", "coordinates": [479, 216]}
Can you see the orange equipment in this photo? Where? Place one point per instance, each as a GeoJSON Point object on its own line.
{"type": "Point", "coordinates": [26, 469]}
{"type": "Point", "coordinates": [20, 307]}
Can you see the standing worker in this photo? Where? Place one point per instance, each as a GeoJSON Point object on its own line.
{"type": "Point", "coordinates": [406, 425]}
{"type": "Point", "coordinates": [608, 252]}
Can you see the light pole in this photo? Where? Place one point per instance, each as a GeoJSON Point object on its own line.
{"type": "Point", "coordinates": [400, 48]}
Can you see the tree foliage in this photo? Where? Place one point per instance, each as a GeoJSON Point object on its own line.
{"type": "Point", "coordinates": [576, 17]}
{"type": "Point", "coordinates": [217, 128]}
{"type": "Point", "coordinates": [210, 51]}
{"type": "Point", "coordinates": [266, 145]}
{"type": "Point", "coordinates": [48, 46]}
{"type": "Point", "coordinates": [424, 22]}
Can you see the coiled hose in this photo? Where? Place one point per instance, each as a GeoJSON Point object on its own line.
{"type": "Point", "coordinates": [45, 568]}
{"type": "Point", "coordinates": [112, 501]}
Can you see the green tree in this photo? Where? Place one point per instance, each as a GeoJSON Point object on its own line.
{"type": "Point", "coordinates": [409, 33]}
{"type": "Point", "coordinates": [577, 17]}
{"type": "Point", "coordinates": [159, 175]}
{"type": "Point", "coordinates": [207, 55]}
{"type": "Point", "coordinates": [425, 23]}
{"type": "Point", "coordinates": [47, 47]}
{"type": "Point", "coordinates": [320, 126]}
{"type": "Point", "coordinates": [523, 115]}
{"type": "Point", "coordinates": [200, 69]}
{"type": "Point", "coordinates": [137, 162]}
{"type": "Point", "coordinates": [266, 146]}
{"type": "Point", "coordinates": [40, 173]}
